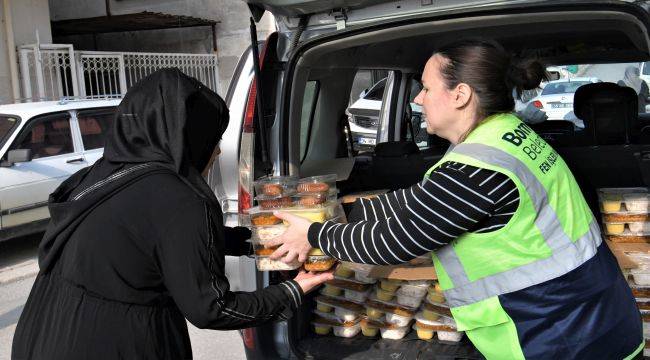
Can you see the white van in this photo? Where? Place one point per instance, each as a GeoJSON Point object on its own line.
{"type": "Point", "coordinates": [307, 70]}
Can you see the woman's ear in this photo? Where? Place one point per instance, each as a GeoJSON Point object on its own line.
{"type": "Point", "coordinates": [463, 95]}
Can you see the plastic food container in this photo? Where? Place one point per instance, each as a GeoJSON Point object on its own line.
{"type": "Point", "coordinates": [446, 329]}
{"type": "Point", "coordinates": [364, 278]}
{"type": "Point", "coordinates": [636, 202]}
{"type": "Point", "coordinates": [390, 285]}
{"type": "Point", "coordinates": [347, 330]}
{"type": "Point", "coordinates": [356, 296]}
{"type": "Point", "coordinates": [264, 263]}
{"type": "Point", "coordinates": [264, 218]}
{"type": "Point", "coordinates": [374, 313]}
{"type": "Point", "coordinates": [642, 279]}
{"type": "Point", "coordinates": [646, 330]}
{"type": "Point", "coordinates": [321, 213]}
{"type": "Point", "coordinates": [430, 311]}
{"type": "Point", "coordinates": [407, 300]}
{"type": "Point", "coordinates": [267, 203]}
{"type": "Point", "coordinates": [615, 228]}
{"type": "Point", "coordinates": [322, 329]}
{"type": "Point", "coordinates": [317, 184]}
{"type": "Point", "coordinates": [331, 290]}
{"type": "Point", "coordinates": [369, 327]}
{"type": "Point", "coordinates": [324, 308]}
{"type": "Point", "coordinates": [394, 332]}
{"type": "Point", "coordinates": [624, 200]}
{"type": "Point", "coordinates": [416, 288]}
{"type": "Point", "coordinates": [344, 310]}
{"type": "Point", "coordinates": [435, 294]}
{"type": "Point", "coordinates": [319, 263]}
{"type": "Point", "coordinates": [452, 336]}
{"type": "Point", "coordinates": [639, 227]}
{"type": "Point", "coordinates": [264, 233]}
{"type": "Point", "coordinates": [398, 319]}
{"type": "Point", "coordinates": [276, 186]}
{"type": "Point", "coordinates": [343, 271]}
{"type": "Point", "coordinates": [261, 250]}
{"type": "Point", "coordinates": [384, 295]}
{"type": "Point", "coordinates": [425, 259]}
{"type": "Point", "coordinates": [312, 200]}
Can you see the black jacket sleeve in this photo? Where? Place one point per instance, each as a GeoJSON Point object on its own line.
{"type": "Point", "coordinates": [192, 264]}
{"type": "Point", "coordinates": [236, 244]}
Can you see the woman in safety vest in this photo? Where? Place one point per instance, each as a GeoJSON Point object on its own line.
{"type": "Point", "coordinates": [518, 253]}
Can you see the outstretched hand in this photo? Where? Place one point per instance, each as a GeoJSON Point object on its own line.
{"type": "Point", "coordinates": [309, 280]}
{"type": "Point", "coordinates": [293, 242]}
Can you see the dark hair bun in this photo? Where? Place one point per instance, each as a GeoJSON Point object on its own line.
{"type": "Point", "coordinates": [526, 74]}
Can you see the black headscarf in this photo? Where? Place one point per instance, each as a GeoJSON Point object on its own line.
{"type": "Point", "coordinates": [168, 122]}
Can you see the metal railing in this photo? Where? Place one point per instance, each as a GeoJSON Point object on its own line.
{"type": "Point", "coordinates": [52, 71]}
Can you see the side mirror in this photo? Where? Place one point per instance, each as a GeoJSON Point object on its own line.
{"type": "Point", "coordinates": [17, 156]}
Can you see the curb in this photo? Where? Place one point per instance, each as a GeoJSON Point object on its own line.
{"type": "Point", "coordinates": [19, 271]}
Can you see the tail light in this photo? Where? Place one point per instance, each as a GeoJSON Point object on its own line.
{"type": "Point", "coordinates": [249, 338]}
{"type": "Point", "coordinates": [538, 104]}
{"type": "Point", "coordinates": [247, 149]}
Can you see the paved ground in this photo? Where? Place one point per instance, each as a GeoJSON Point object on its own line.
{"type": "Point", "coordinates": [18, 270]}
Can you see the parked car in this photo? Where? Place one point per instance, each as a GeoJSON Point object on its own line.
{"type": "Point", "coordinates": [41, 145]}
{"type": "Point", "coordinates": [556, 99]}
{"type": "Point", "coordinates": [363, 114]}
{"type": "Point", "coordinates": [305, 84]}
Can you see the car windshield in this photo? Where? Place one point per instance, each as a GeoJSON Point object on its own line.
{"type": "Point", "coordinates": [6, 124]}
{"type": "Point", "coordinates": [564, 87]}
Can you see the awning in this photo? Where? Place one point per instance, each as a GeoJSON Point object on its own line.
{"type": "Point", "coordinates": [128, 22]}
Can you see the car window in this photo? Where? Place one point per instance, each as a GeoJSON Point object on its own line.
{"type": "Point", "coordinates": [567, 87]}
{"type": "Point", "coordinates": [377, 91]}
{"type": "Point", "coordinates": [47, 136]}
{"type": "Point", "coordinates": [363, 112]}
{"type": "Point", "coordinates": [94, 125]}
{"type": "Point", "coordinates": [307, 118]}
{"type": "Point", "coordinates": [7, 123]}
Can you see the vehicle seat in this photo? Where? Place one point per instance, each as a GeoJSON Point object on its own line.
{"type": "Point", "coordinates": [555, 132]}
{"type": "Point", "coordinates": [609, 112]}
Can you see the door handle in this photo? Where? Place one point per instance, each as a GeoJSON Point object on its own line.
{"type": "Point", "coordinates": [75, 160]}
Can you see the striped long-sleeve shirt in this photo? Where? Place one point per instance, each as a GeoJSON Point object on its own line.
{"type": "Point", "coordinates": [401, 225]}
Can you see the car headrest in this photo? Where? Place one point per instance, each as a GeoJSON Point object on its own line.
{"type": "Point", "coordinates": [609, 111]}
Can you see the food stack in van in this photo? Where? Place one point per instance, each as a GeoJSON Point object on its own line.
{"type": "Point", "coordinates": [313, 198]}
{"type": "Point", "coordinates": [626, 219]}
{"type": "Point", "coordinates": [358, 302]}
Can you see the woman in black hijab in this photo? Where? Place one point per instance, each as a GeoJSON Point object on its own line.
{"type": "Point", "coordinates": [136, 242]}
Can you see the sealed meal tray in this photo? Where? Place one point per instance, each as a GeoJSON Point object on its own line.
{"type": "Point", "coordinates": [624, 200]}
{"type": "Point", "coordinates": [275, 203]}
{"type": "Point", "coordinates": [317, 184]}
{"type": "Point", "coordinates": [312, 200]}
{"type": "Point", "coordinates": [370, 327]}
{"type": "Point", "coordinates": [320, 213]}
{"type": "Point", "coordinates": [640, 291]}
{"type": "Point", "coordinates": [265, 263]}
{"type": "Point", "coordinates": [349, 285]}
{"type": "Point", "coordinates": [265, 233]}
{"type": "Point", "coordinates": [629, 227]}
{"type": "Point", "coordinates": [394, 331]}
{"type": "Point", "coordinates": [276, 186]}
{"type": "Point", "coordinates": [345, 310]}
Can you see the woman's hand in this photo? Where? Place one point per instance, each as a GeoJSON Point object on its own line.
{"type": "Point", "coordinates": [293, 242]}
{"type": "Point", "coordinates": [309, 280]}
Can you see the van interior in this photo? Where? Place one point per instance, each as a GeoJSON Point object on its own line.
{"type": "Point", "coordinates": [611, 150]}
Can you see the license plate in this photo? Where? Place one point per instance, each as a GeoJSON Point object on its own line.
{"type": "Point", "coordinates": [367, 141]}
{"type": "Point", "coordinates": [560, 105]}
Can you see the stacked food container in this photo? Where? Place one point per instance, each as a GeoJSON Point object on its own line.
{"type": "Point", "coordinates": [313, 198]}
{"type": "Point", "coordinates": [356, 303]}
{"type": "Point", "coordinates": [626, 220]}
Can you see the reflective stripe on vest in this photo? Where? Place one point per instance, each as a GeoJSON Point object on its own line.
{"type": "Point", "coordinates": [566, 254]}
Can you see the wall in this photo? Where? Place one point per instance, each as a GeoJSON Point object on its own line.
{"type": "Point", "coordinates": [27, 17]}
{"type": "Point", "coordinates": [232, 31]}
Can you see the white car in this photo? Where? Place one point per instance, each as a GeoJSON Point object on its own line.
{"type": "Point", "coordinates": [41, 145]}
{"type": "Point", "coordinates": [556, 99]}
{"type": "Point", "coordinates": [363, 114]}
